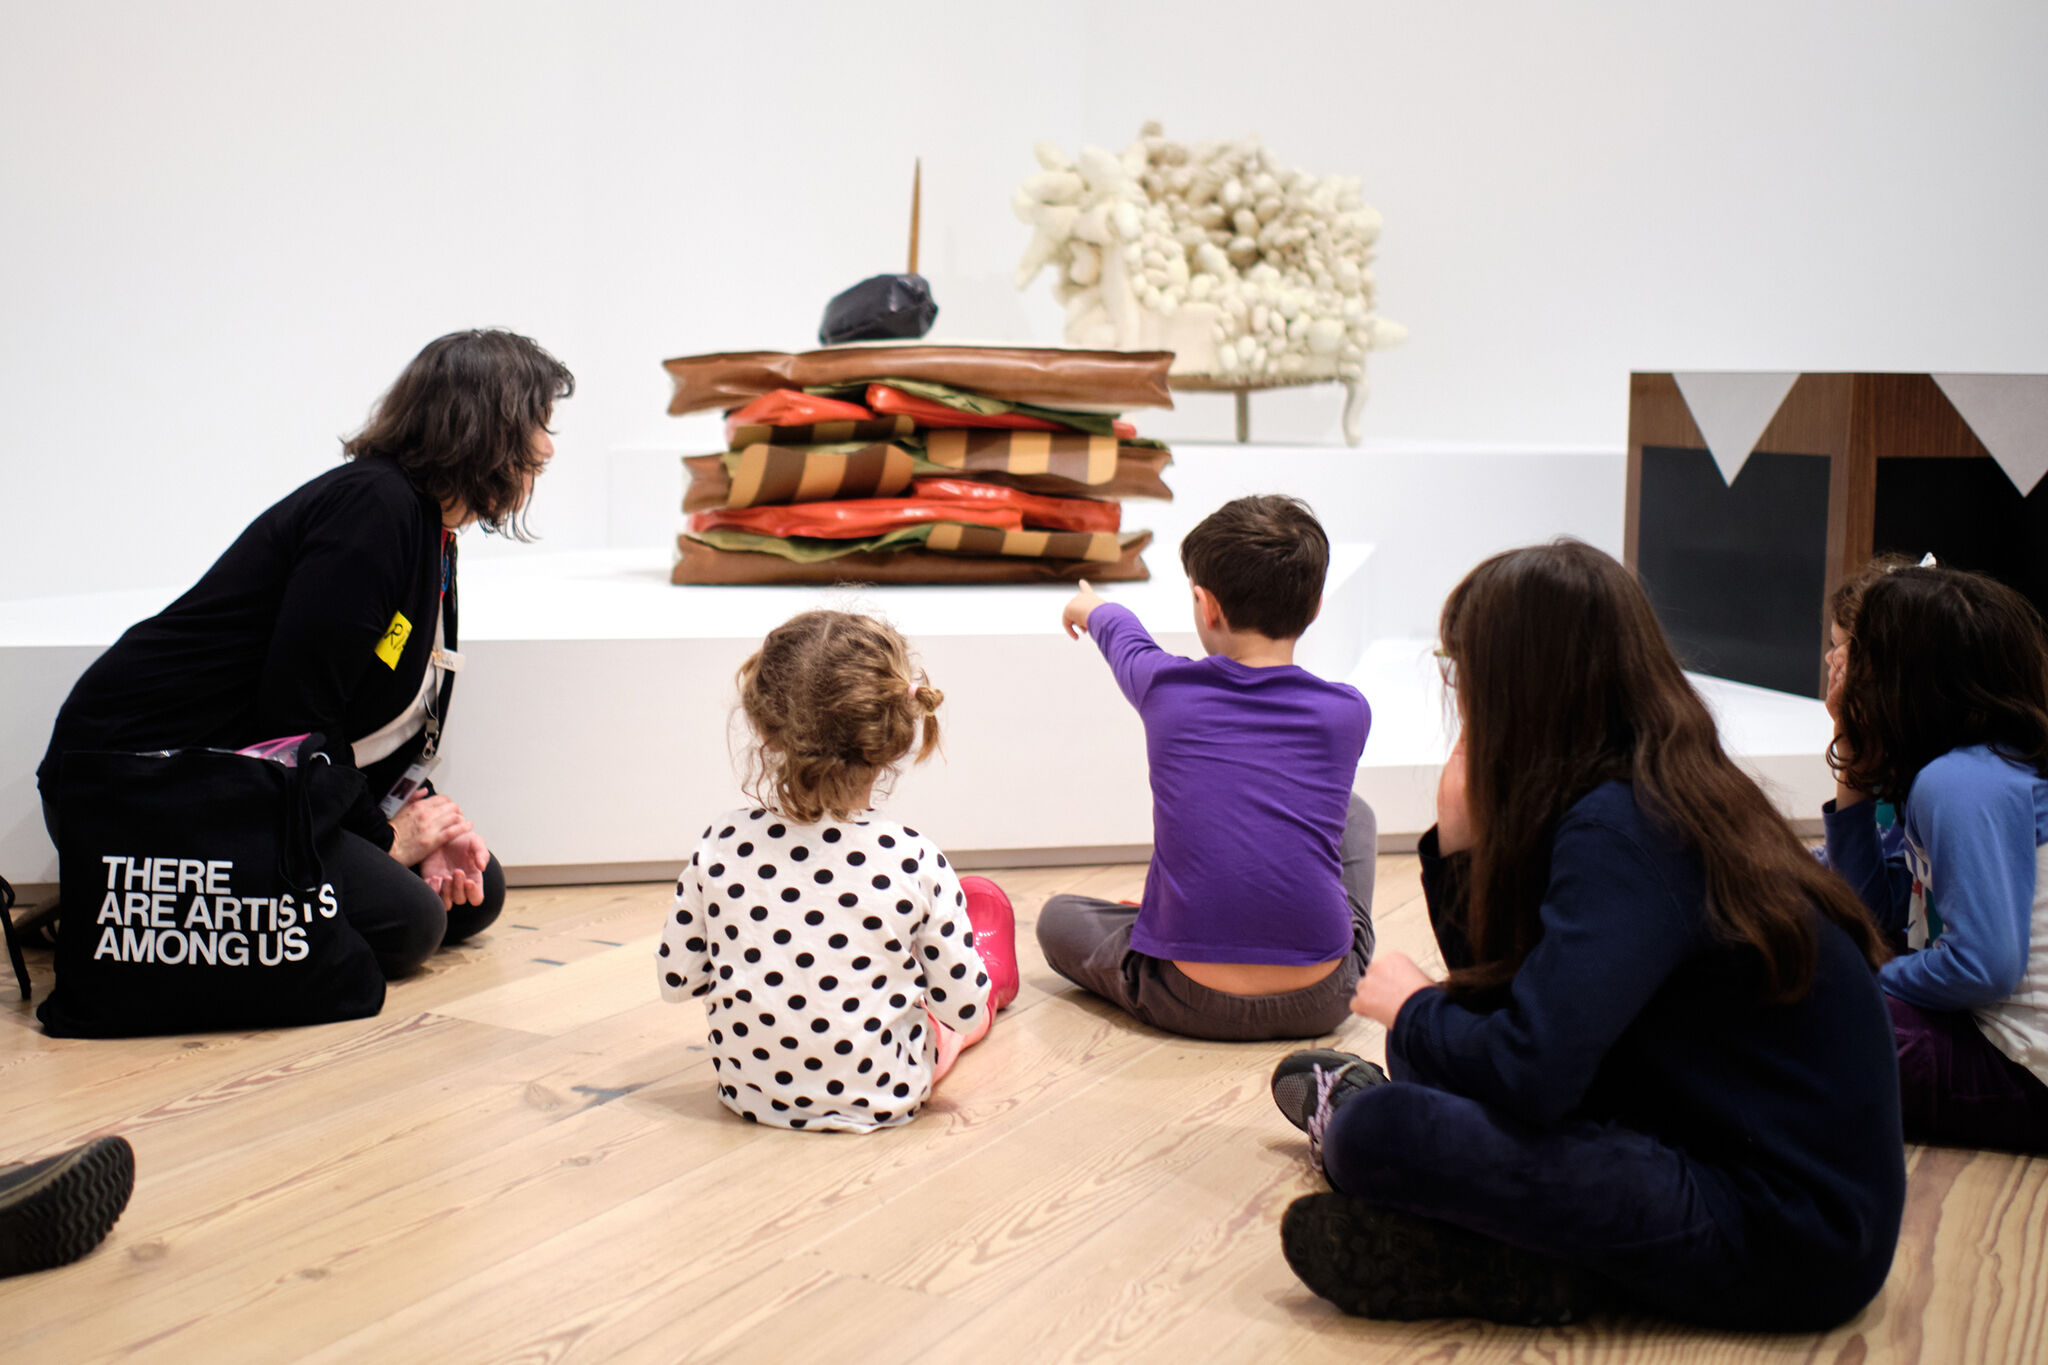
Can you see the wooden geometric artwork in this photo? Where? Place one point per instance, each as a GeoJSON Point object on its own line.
{"type": "Point", "coordinates": [1846, 466]}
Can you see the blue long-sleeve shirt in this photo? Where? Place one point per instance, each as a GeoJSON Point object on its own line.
{"type": "Point", "coordinates": [1630, 1011]}
{"type": "Point", "coordinates": [1975, 822]}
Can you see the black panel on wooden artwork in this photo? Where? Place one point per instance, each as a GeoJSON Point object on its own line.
{"type": "Point", "coordinates": [1737, 572]}
{"type": "Point", "coordinates": [1967, 513]}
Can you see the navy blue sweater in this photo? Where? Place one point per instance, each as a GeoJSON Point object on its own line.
{"type": "Point", "coordinates": [1629, 1011]}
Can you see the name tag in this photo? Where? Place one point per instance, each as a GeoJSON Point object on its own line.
{"type": "Point", "coordinates": [393, 642]}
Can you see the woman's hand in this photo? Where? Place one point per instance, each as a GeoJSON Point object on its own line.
{"type": "Point", "coordinates": [455, 871]}
{"type": "Point", "coordinates": [1453, 817]}
{"type": "Point", "coordinates": [423, 825]}
{"type": "Point", "coordinates": [1388, 982]}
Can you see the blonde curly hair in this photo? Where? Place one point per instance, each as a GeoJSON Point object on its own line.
{"type": "Point", "coordinates": [834, 702]}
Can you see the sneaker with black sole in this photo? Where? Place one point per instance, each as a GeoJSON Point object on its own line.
{"type": "Point", "coordinates": [55, 1210]}
{"type": "Point", "coordinates": [1309, 1085]}
{"type": "Point", "coordinates": [1375, 1262]}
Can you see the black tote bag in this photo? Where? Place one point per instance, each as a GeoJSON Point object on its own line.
{"type": "Point", "coordinates": [195, 896]}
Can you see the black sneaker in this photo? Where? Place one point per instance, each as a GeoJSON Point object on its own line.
{"type": "Point", "coordinates": [1308, 1086]}
{"type": "Point", "coordinates": [55, 1210]}
{"type": "Point", "coordinates": [1374, 1262]}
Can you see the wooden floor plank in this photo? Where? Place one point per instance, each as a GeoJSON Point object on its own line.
{"type": "Point", "coordinates": [1064, 1173]}
{"type": "Point", "coordinates": [302, 1285]}
{"type": "Point", "coordinates": [523, 1158]}
{"type": "Point", "coordinates": [1181, 1255]}
{"type": "Point", "coordinates": [347, 1151]}
{"type": "Point", "coordinates": [572, 995]}
{"type": "Point", "coordinates": [775, 1193]}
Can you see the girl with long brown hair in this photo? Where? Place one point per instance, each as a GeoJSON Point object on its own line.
{"type": "Point", "coordinates": [1939, 689]}
{"type": "Point", "coordinates": [1660, 1074]}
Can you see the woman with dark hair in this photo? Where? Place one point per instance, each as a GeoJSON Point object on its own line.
{"type": "Point", "coordinates": [335, 612]}
{"type": "Point", "coordinates": [1940, 699]}
{"type": "Point", "coordinates": [1660, 1075]}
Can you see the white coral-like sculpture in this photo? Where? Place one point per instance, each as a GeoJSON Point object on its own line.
{"type": "Point", "coordinates": [1251, 272]}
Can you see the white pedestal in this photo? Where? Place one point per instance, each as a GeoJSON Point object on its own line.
{"type": "Point", "coordinates": [1777, 737]}
{"type": "Point", "coordinates": [592, 734]}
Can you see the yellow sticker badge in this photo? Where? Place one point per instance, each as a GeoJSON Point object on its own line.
{"type": "Point", "coordinates": [393, 642]}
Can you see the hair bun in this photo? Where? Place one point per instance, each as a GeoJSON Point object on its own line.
{"type": "Point", "coordinates": [928, 698]}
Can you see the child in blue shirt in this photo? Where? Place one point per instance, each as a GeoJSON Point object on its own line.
{"type": "Point", "coordinates": [1941, 707]}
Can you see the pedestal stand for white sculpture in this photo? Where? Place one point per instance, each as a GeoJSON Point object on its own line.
{"type": "Point", "coordinates": [1242, 390]}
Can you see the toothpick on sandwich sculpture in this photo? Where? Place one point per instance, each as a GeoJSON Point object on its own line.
{"type": "Point", "coordinates": [1256, 275]}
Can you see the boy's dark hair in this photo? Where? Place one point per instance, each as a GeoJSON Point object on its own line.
{"type": "Point", "coordinates": [1944, 658]}
{"type": "Point", "coordinates": [1264, 558]}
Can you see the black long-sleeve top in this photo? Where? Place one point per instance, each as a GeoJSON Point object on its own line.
{"type": "Point", "coordinates": [1629, 1011]}
{"type": "Point", "coordinates": [286, 634]}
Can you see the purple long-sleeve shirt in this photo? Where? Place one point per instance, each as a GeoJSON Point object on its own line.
{"type": "Point", "coordinates": [1251, 782]}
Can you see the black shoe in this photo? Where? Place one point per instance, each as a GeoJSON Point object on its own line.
{"type": "Point", "coordinates": [1308, 1086]}
{"type": "Point", "coordinates": [10, 932]}
{"type": "Point", "coordinates": [1376, 1263]}
{"type": "Point", "coordinates": [55, 1210]}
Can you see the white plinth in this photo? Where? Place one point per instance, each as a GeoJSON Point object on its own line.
{"type": "Point", "coordinates": [590, 732]}
{"type": "Point", "coordinates": [1778, 738]}
{"type": "Point", "coordinates": [589, 736]}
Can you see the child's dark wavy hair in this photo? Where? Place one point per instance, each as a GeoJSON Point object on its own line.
{"type": "Point", "coordinates": [1847, 597]}
{"type": "Point", "coordinates": [835, 702]}
{"type": "Point", "coordinates": [1943, 658]}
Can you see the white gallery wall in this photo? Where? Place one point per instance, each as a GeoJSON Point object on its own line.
{"type": "Point", "coordinates": [224, 226]}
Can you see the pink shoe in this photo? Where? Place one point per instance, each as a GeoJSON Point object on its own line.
{"type": "Point", "coordinates": [951, 1043]}
{"type": "Point", "coordinates": [995, 937]}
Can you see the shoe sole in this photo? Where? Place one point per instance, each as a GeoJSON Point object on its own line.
{"type": "Point", "coordinates": [67, 1210]}
{"type": "Point", "coordinates": [1294, 1093]}
{"type": "Point", "coordinates": [1377, 1263]}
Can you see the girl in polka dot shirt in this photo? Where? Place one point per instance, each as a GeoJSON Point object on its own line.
{"type": "Point", "coordinates": [842, 962]}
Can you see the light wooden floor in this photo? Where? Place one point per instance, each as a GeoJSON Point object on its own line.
{"type": "Point", "coordinates": [522, 1159]}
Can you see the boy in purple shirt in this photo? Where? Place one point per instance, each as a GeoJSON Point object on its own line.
{"type": "Point", "coordinates": [1256, 921]}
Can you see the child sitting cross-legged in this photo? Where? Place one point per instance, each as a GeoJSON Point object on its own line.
{"type": "Point", "coordinates": [1939, 690]}
{"type": "Point", "coordinates": [1659, 1077]}
{"type": "Point", "coordinates": [842, 963]}
{"type": "Point", "coordinates": [1256, 920]}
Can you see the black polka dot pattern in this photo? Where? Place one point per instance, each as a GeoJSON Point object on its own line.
{"type": "Point", "coordinates": [822, 940]}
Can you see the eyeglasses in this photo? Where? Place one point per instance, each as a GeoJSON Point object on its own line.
{"type": "Point", "coordinates": [1447, 666]}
